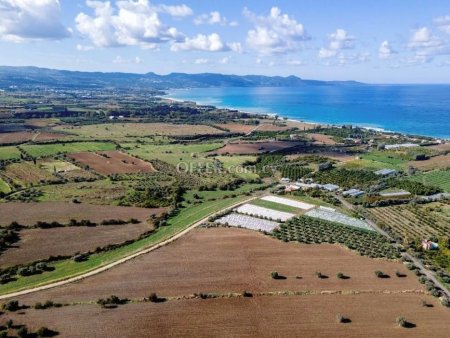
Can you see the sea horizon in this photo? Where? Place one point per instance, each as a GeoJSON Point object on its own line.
{"type": "Point", "coordinates": [422, 109]}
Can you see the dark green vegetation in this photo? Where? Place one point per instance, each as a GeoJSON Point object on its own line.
{"type": "Point", "coordinates": [309, 230]}
{"type": "Point", "coordinates": [346, 178]}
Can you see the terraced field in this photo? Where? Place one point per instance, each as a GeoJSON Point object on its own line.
{"type": "Point", "coordinates": [414, 221]}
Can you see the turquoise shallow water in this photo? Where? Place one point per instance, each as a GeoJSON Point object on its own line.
{"type": "Point", "coordinates": [412, 109]}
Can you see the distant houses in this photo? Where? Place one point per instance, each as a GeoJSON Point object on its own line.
{"type": "Point", "coordinates": [353, 193]}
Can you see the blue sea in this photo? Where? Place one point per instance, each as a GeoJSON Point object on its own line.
{"type": "Point", "coordinates": [410, 109]}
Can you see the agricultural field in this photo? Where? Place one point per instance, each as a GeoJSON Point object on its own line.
{"type": "Point", "coordinates": [410, 221]}
{"type": "Point", "coordinates": [238, 128]}
{"type": "Point", "coordinates": [27, 173]}
{"type": "Point", "coordinates": [125, 130]}
{"type": "Point", "coordinates": [435, 178]}
{"type": "Point", "coordinates": [36, 244]}
{"type": "Point", "coordinates": [255, 147]}
{"type": "Point", "coordinates": [321, 139]}
{"type": "Point", "coordinates": [247, 222]}
{"type": "Point", "coordinates": [25, 136]}
{"type": "Point", "coordinates": [234, 165]}
{"type": "Point", "coordinates": [62, 212]}
{"type": "Point", "coordinates": [226, 268]}
{"type": "Point", "coordinates": [305, 229]}
{"type": "Point", "coordinates": [67, 170]}
{"type": "Point", "coordinates": [262, 212]}
{"type": "Point", "coordinates": [288, 202]}
{"type": "Point", "coordinates": [337, 217]}
{"type": "Point", "coordinates": [187, 317]}
{"type": "Point", "coordinates": [46, 150]}
{"type": "Point", "coordinates": [275, 206]}
{"type": "Point", "coordinates": [434, 163]}
{"type": "Point", "coordinates": [176, 153]}
{"type": "Point", "coordinates": [98, 192]}
{"type": "Point", "coordinates": [9, 153]}
{"type": "Point", "coordinates": [112, 162]}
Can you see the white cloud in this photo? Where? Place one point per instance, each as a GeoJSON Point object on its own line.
{"type": "Point", "coordinates": [295, 62]}
{"type": "Point", "coordinates": [213, 18]}
{"type": "Point", "coordinates": [132, 23]}
{"type": "Point", "coordinates": [201, 61]}
{"type": "Point", "coordinates": [177, 11]}
{"type": "Point", "coordinates": [338, 41]}
{"type": "Point", "coordinates": [225, 60]}
{"type": "Point", "coordinates": [25, 20]}
{"type": "Point", "coordinates": [120, 60]}
{"type": "Point", "coordinates": [385, 50]}
{"type": "Point", "coordinates": [206, 43]}
{"type": "Point", "coordinates": [84, 48]}
{"type": "Point", "coordinates": [275, 33]}
{"type": "Point", "coordinates": [443, 23]}
{"type": "Point", "coordinates": [425, 45]}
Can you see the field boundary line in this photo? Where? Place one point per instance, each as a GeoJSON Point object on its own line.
{"type": "Point", "coordinates": [144, 251]}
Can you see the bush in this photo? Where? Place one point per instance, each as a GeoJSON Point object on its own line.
{"type": "Point", "coordinates": [341, 319]}
{"type": "Point", "coordinates": [155, 299]}
{"type": "Point", "coordinates": [247, 294]}
{"type": "Point", "coordinates": [275, 275]}
{"type": "Point", "coordinates": [111, 301]}
{"type": "Point", "coordinates": [445, 301]}
{"type": "Point", "coordinates": [340, 275]}
{"type": "Point", "coordinates": [379, 274]}
{"type": "Point", "coordinates": [12, 305]}
{"type": "Point", "coordinates": [401, 321]}
{"type": "Point", "coordinates": [45, 332]}
{"type": "Point", "coordinates": [22, 332]}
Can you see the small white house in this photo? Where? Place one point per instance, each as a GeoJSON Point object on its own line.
{"type": "Point", "coordinates": [330, 187]}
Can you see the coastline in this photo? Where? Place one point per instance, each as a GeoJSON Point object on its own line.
{"type": "Point", "coordinates": [313, 123]}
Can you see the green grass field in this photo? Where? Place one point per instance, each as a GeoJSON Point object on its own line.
{"type": "Point", "coordinates": [233, 164]}
{"type": "Point", "coordinates": [9, 153]}
{"type": "Point", "coordinates": [44, 150]}
{"type": "Point", "coordinates": [206, 195]}
{"type": "Point", "coordinates": [276, 206]}
{"type": "Point", "coordinates": [438, 178]}
{"type": "Point", "coordinates": [377, 160]}
{"type": "Point", "coordinates": [173, 154]}
{"type": "Point", "coordinates": [4, 187]}
{"type": "Point", "coordinates": [69, 268]}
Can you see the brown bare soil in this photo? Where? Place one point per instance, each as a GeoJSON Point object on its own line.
{"type": "Point", "coordinates": [113, 162]}
{"type": "Point", "coordinates": [25, 136]}
{"type": "Point", "coordinates": [322, 139]}
{"type": "Point", "coordinates": [238, 127]}
{"type": "Point", "coordinates": [224, 260]}
{"type": "Point", "coordinates": [30, 213]}
{"type": "Point", "coordinates": [38, 244]}
{"type": "Point", "coordinates": [441, 147]}
{"type": "Point", "coordinates": [255, 148]}
{"type": "Point", "coordinates": [233, 260]}
{"type": "Point", "coordinates": [436, 162]}
{"type": "Point", "coordinates": [266, 316]}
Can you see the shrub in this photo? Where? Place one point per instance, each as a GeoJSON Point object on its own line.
{"type": "Point", "coordinates": [399, 274]}
{"type": "Point", "coordinates": [22, 332]}
{"type": "Point", "coordinates": [45, 332]}
{"type": "Point", "coordinates": [381, 274]}
{"type": "Point", "coordinates": [401, 321]}
{"type": "Point", "coordinates": [445, 301]}
{"type": "Point", "coordinates": [340, 275]}
{"type": "Point", "coordinates": [12, 305]}
{"type": "Point", "coordinates": [341, 319]}
{"type": "Point", "coordinates": [111, 301]}
{"type": "Point", "coordinates": [275, 275]}
{"type": "Point", "coordinates": [3, 334]}
{"type": "Point", "coordinates": [247, 294]}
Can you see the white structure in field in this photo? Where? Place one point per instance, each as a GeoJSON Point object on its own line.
{"type": "Point", "coordinates": [334, 216]}
{"type": "Point", "coordinates": [288, 201]}
{"type": "Point", "coordinates": [353, 193]}
{"type": "Point", "coordinates": [330, 187]}
{"type": "Point", "coordinates": [255, 210]}
{"type": "Point", "coordinates": [400, 145]}
{"type": "Point", "coordinates": [386, 172]}
{"type": "Point", "coordinates": [253, 223]}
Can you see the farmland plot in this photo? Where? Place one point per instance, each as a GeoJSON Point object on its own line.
{"type": "Point", "coordinates": [248, 222]}
{"type": "Point", "coordinates": [25, 173]}
{"type": "Point", "coordinates": [9, 153]}
{"type": "Point", "coordinates": [46, 150]}
{"type": "Point", "coordinates": [113, 162]}
{"type": "Point", "coordinates": [334, 216]}
{"type": "Point", "coordinates": [287, 201]}
{"type": "Point", "coordinates": [258, 211]}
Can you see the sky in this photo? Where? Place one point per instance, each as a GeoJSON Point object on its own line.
{"type": "Point", "coordinates": [373, 41]}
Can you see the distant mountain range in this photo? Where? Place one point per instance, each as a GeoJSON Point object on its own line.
{"type": "Point", "coordinates": [28, 77]}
